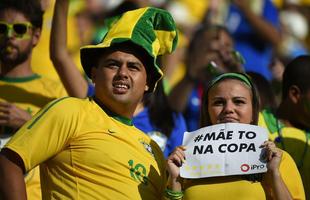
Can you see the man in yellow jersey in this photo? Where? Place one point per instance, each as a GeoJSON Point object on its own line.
{"type": "Point", "coordinates": [289, 126]}
{"type": "Point", "coordinates": [22, 92]}
{"type": "Point", "coordinates": [88, 148]}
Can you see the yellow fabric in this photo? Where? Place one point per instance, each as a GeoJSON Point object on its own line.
{"type": "Point", "coordinates": [31, 95]}
{"type": "Point", "coordinates": [120, 28]}
{"type": "Point", "coordinates": [87, 154]}
{"type": "Point", "coordinates": [40, 61]}
{"type": "Point", "coordinates": [33, 187]}
{"type": "Point", "coordinates": [278, 3]}
{"type": "Point", "coordinates": [164, 39]}
{"type": "Point", "coordinates": [179, 68]}
{"type": "Point", "coordinates": [197, 9]}
{"type": "Point", "coordinates": [294, 141]}
{"type": "Point", "coordinates": [236, 188]}
{"type": "Point", "coordinates": [177, 76]}
{"type": "Point", "coordinates": [305, 2]}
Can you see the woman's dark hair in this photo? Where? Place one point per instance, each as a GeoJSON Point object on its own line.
{"type": "Point", "coordinates": [204, 112]}
{"type": "Point", "coordinates": [160, 113]}
{"type": "Point", "coordinates": [30, 8]}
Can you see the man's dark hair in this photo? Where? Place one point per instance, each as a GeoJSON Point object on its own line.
{"type": "Point", "coordinates": [30, 8]}
{"type": "Point", "coordinates": [297, 72]}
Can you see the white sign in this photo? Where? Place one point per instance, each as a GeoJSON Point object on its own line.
{"type": "Point", "coordinates": [224, 149]}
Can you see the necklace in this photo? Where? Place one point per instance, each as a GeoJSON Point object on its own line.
{"type": "Point", "coordinates": [280, 139]}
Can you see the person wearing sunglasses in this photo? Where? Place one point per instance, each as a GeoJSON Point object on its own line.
{"type": "Point", "coordinates": [18, 29]}
{"type": "Point", "coordinates": [22, 92]}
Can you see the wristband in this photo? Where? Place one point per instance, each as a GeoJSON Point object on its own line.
{"type": "Point", "coordinates": [173, 195]}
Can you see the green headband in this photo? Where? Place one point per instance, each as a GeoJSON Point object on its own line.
{"type": "Point", "coordinates": [153, 29]}
{"type": "Point", "coordinates": [241, 77]}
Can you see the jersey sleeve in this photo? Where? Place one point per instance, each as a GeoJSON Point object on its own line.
{"type": "Point", "coordinates": [47, 133]}
{"type": "Point", "coordinates": [291, 176]}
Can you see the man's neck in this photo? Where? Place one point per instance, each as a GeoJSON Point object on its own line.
{"type": "Point", "coordinates": [20, 70]}
{"type": "Point", "coordinates": [118, 110]}
{"type": "Point", "coordinates": [139, 108]}
{"type": "Point", "coordinates": [286, 116]}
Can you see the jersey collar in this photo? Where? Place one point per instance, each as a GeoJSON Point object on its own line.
{"type": "Point", "coordinates": [119, 118]}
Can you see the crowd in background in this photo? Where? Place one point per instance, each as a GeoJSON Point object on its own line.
{"type": "Point", "coordinates": [288, 21]}
{"type": "Point", "coordinates": [259, 37]}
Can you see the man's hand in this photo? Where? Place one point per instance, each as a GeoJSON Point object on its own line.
{"type": "Point", "coordinates": [12, 116]}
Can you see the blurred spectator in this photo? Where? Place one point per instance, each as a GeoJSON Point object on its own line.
{"type": "Point", "coordinates": [289, 125]}
{"type": "Point", "coordinates": [210, 52]}
{"type": "Point", "coordinates": [41, 62]}
{"type": "Point", "coordinates": [294, 30]}
{"type": "Point", "coordinates": [22, 92]}
{"type": "Point", "coordinates": [254, 26]}
{"type": "Point", "coordinates": [277, 67]}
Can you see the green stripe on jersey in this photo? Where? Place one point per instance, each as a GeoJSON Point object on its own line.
{"type": "Point", "coordinates": [44, 111]}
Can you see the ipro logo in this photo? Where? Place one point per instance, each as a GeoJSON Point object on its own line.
{"type": "Point", "coordinates": [245, 167]}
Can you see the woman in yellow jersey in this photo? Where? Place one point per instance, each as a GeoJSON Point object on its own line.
{"type": "Point", "coordinates": [231, 97]}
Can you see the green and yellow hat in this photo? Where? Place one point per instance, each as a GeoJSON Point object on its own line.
{"type": "Point", "coordinates": [153, 29]}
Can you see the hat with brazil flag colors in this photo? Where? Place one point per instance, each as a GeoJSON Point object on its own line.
{"type": "Point", "coordinates": [153, 29]}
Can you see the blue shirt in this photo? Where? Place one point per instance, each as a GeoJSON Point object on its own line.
{"type": "Point", "coordinates": [256, 51]}
{"type": "Point", "coordinates": [142, 122]}
{"type": "Point", "coordinates": [192, 111]}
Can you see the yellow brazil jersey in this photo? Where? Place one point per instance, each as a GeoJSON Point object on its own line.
{"type": "Point", "coordinates": [31, 94]}
{"type": "Point", "coordinates": [237, 188]}
{"type": "Point", "coordinates": [293, 140]}
{"type": "Point", "coordinates": [89, 153]}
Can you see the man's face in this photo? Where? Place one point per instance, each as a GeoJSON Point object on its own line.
{"type": "Point", "coordinates": [15, 48]}
{"type": "Point", "coordinates": [120, 80]}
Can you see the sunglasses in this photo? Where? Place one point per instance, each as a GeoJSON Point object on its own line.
{"type": "Point", "coordinates": [19, 29]}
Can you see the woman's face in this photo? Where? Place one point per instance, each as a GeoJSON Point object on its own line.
{"type": "Point", "coordinates": [230, 101]}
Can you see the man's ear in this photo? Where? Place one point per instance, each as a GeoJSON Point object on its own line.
{"type": "Point", "coordinates": [146, 88]}
{"type": "Point", "coordinates": [294, 93]}
{"type": "Point", "coordinates": [36, 36]}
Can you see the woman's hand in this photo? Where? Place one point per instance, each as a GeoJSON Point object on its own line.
{"type": "Point", "coordinates": [273, 157]}
{"type": "Point", "coordinates": [174, 162]}
{"type": "Point", "coordinates": [274, 186]}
